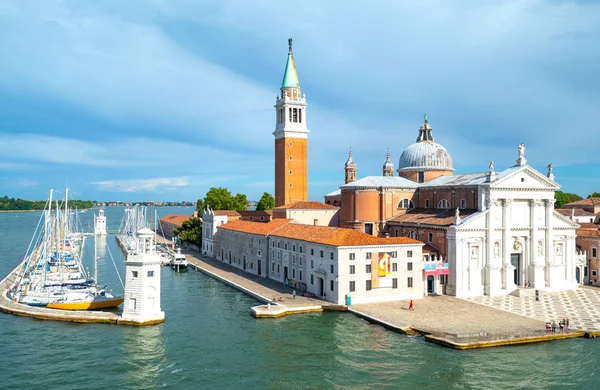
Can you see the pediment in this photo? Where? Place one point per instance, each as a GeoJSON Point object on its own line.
{"type": "Point", "coordinates": [475, 221]}
{"type": "Point", "coordinates": [524, 177]}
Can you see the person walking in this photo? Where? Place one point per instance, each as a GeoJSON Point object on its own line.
{"type": "Point", "coordinates": [294, 294]}
{"type": "Point", "coordinates": [411, 306]}
{"type": "Point", "coordinates": [553, 326]}
{"type": "Point", "coordinates": [566, 324]}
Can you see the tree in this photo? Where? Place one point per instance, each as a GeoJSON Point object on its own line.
{"type": "Point", "coordinates": [219, 198]}
{"type": "Point", "coordinates": [190, 231]}
{"type": "Point", "coordinates": [266, 202]}
{"type": "Point", "coordinates": [563, 198]}
{"type": "Point", "coordinates": [594, 195]}
{"type": "Point", "coordinates": [199, 206]}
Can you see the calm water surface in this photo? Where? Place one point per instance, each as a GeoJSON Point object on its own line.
{"type": "Point", "coordinates": [209, 340]}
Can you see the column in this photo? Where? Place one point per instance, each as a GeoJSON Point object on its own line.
{"type": "Point", "coordinates": [550, 267]}
{"type": "Point", "coordinates": [507, 268]}
{"type": "Point", "coordinates": [493, 277]}
{"type": "Point", "coordinates": [453, 276]}
{"type": "Point", "coordinates": [536, 265]}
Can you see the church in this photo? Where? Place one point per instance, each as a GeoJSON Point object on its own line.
{"type": "Point", "coordinates": [496, 231]}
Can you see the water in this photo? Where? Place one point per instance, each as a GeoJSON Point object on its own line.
{"type": "Point", "coordinates": [209, 340]}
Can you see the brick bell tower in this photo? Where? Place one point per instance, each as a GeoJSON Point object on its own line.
{"type": "Point", "coordinates": [291, 136]}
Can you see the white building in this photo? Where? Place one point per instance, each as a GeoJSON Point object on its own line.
{"type": "Point", "coordinates": [142, 283]}
{"type": "Point", "coordinates": [329, 262]}
{"type": "Point", "coordinates": [100, 223]}
{"type": "Point", "coordinates": [210, 223]}
{"type": "Point", "coordinates": [516, 237]}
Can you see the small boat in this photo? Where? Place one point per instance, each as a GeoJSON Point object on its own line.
{"type": "Point", "coordinates": [97, 302]}
{"type": "Point", "coordinates": [179, 261]}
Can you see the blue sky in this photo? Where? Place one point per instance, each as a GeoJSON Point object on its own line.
{"type": "Point", "coordinates": [163, 99]}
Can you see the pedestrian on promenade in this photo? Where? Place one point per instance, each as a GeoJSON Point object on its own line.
{"type": "Point", "coordinates": [294, 294]}
{"type": "Point", "coordinates": [561, 325]}
{"type": "Point", "coordinates": [411, 306]}
{"type": "Point", "coordinates": [553, 326]}
{"type": "Point", "coordinates": [567, 324]}
{"type": "Point", "coordinates": [548, 326]}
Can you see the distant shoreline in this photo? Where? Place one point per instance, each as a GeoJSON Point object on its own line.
{"type": "Point", "coordinates": [18, 211]}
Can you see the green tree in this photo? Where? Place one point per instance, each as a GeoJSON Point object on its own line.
{"type": "Point", "coordinates": [219, 198]}
{"type": "Point", "coordinates": [563, 198]}
{"type": "Point", "coordinates": [190, 231]}
{"type": "Point", "coordinates": [594, 195]}
{"type": "Point", "coordinates": [239, 202]}
{"type": "Point", "coordinates": [266, 202]}
{"type": "Point", "coordinates": [200, 206]}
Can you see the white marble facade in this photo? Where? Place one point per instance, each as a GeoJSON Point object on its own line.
{"type": "Point", "coordinates": [515, 239]}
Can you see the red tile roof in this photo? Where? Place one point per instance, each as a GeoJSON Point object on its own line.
{"type": "Point", "coordinates": [590, 230]}
{"type": "Point", "coordinates": [437, 217]}
{"type": "Point", "coordinates": [229, 213]}
{"type": "Point", "coordinates": [335, 236]}
{"type": "Point", "coordinates": [578, 212]}
{"type": "Point", "coordinates": [256, 213]}
{"type": "Point", "coordinates": [307, 206]}
{"type": "Point", "coordinates": [585, 202]}
{"type": "Point", "coordinates": [262, 228]}
{"type": "Point", "coordinates": [175, 219]}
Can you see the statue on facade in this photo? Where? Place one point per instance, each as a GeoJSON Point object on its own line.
{"type": "Point", "coordinates": [496, 249]}
{"type": "Point", "coordinates": [540, 248]}
{"type": "Point", "coordinates": [492, 166]}
{"type": "Point", "coordinates": [457, 216]}
{"type": "Point", "coordinates": [550, 166]}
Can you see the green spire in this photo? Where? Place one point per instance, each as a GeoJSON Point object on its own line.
{"type": "Point", "coordinates": [290, 77]}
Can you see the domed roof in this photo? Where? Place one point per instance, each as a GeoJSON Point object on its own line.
{"type": "Point", "coordinates": [350, 164]}
{"type": "Point", "coordinates": [388, 165]}
{"type": "Point", "coordinates": [425, 155]}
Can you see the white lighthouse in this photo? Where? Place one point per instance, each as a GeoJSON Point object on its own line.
{"type": "Point", "coordinates": [100, 223]}
{"type": "Point", "coordinates": [142, 283]}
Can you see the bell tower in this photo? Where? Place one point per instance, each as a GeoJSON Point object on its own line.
{"type": "Point", "coordinates": [291, 136]}
{"type": "Point", "coordinates": [350, 169]}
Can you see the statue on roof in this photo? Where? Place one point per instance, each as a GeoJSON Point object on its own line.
{"type": "Point", "coordinates": [425, 118]}
{"type": "Point", "coordinates": [290, 43]}
{"type": "Point", "coordinates": [521, 150]}
{"type": "Point", "coordinates": [492, 166]}
{"type": "Point", "coordinates": [550, 166]}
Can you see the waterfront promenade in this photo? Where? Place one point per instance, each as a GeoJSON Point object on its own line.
{"type": "Point", "coordinates": [445, 320]}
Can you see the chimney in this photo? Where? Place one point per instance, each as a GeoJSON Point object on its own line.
{"type": "Point", "coordinates": [316, 222]}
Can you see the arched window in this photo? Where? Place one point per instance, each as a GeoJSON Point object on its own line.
{"type": "Point", "coordinates": [412, 234]}
{"type": "Point", "coordinates": [443, 204]}
{"type": "Point", "coordinates": [406, 204]}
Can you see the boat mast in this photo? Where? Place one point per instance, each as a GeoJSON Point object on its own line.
{"type": "Point", "coordinates": [47, 237]}
{"type": "Point", "coordinates": [95, 254]}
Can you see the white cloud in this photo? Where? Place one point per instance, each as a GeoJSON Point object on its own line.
{"type": "Point", "coordinates": [142, 185]}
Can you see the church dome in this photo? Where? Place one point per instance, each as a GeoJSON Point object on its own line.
{"type": "Point", "coordinates": [425, 154]}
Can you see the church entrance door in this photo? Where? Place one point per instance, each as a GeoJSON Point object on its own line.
{"type": "Point", "coordinates": [430, 285]}
{"type": "Point", "coordinates": [515, 260]}
{"type": "Point", "coordinates": [578, 275]}
{"type": "Point", "coordinates": [259, 267]}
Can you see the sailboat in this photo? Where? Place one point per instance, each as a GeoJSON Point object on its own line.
{"type": "Point", "coordinates": [99, 299]}
{"type": "Point", "coordinates": [52, 273]}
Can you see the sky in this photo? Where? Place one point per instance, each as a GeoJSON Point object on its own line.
{"type": "Point", "coordinates": [163, 99]}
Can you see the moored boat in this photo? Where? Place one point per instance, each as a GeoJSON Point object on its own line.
{"type": "Point", "coordinates": [179, 262]}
